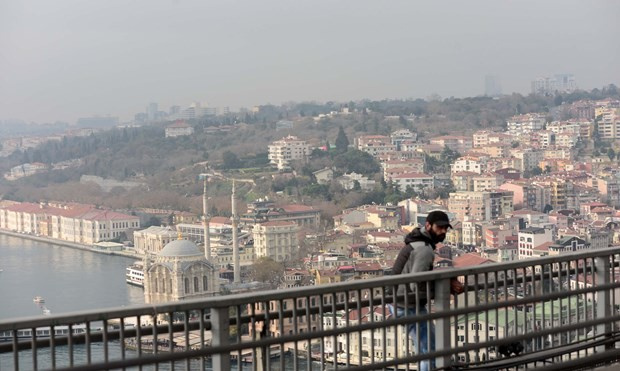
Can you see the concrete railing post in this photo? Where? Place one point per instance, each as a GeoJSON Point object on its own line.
{"type": "Point", "coordinates": [220, 332]}
{"type": "Point", "coordinates": [442, 325]}
{"type": "Point", "coordinates": [602, 298]}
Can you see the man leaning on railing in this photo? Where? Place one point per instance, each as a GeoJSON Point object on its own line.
{"type": "Point", "coordinates": [417, 256]}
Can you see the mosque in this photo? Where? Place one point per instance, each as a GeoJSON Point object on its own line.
{"type": "Point", "coordinates": [179, 271]}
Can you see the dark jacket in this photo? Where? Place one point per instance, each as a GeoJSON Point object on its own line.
{"type": "Point", "coordinates": [417, 256]}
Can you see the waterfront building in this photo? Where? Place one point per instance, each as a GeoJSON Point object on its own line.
{"type": "Point", "coordinates": [72, 222]}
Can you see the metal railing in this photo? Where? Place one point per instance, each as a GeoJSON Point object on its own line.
{"type": "Point", "coordinates": [557, 312]}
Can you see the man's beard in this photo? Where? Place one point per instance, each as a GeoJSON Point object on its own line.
{"type": "Point", "coordinates": [437, 238]}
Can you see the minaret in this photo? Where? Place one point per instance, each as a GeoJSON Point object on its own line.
{"type": "Point", "coordinates": [205, 222]}
{"type": "Point", "coordinates": [233, 218]}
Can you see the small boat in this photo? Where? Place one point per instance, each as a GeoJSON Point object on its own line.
{"type": "Point", "coordinates": [38, 300]}
{"type": "Point", "coordinates": [46, 312]}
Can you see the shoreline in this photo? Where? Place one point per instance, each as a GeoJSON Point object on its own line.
{"type": "Point", "coordinates": [73, 245]}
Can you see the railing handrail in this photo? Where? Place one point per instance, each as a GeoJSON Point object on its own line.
{"type": "Point", "coordinates": [293, 293]}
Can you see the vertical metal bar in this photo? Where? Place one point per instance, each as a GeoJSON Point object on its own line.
{"type": "Point", "coordinates": [15, 350]}
{"type": "Point", "coordinates": [296, 321]}
{"type": "Point", "coordinates": [186, 318]}
{"type": "Point", "coordinates": [282, 333]}
{"type": "Point", "coordinates": [220, 328]}
{"type": "Point", "coordinates": [487, 320]}
{"type": "Point", "coordinates": [442, 330]}
{"type": "Point", "coordinates": [312, 305]}
{"type": "Point", "coordinates": [570, 310]}
{"type": "Point", "coordinates": [383, 318]}
{"type": "Point", "coordinates": [603, 308]}
{"type": "Point", "coordinates": [417, 322]}
{"type": "Point", "coordinates": [371, 313]}
{"type": "Point", "coordinates": [138, 336]}
{"type": "Point", "coordinates": [495, 300]}
{"type": "Point", "coordinates": [53, 346]}
{"type": "Point", "coordinates": [466, 318]}
{"type": "Point", "coordinates": [554, 316]}
{"type": "Point", "coordinates": [335, 338]}
{"type": "Point", "coordinates": [70, 344]}
{"type": "Point", "coordinates": [170, 337]}
{"type": "Point", "coordinates": [477, 316]}
{"type": "Point", "coordinates": [238, 336]}
{"type": "Point", "coordinates": [308, 330]}
{"type": "Point", "coordinates": [360, 333]}
{"type": "Point", "coordinates": [255, 336]}
{"type": "Point", "coordinates": [267, 333]}
{"type": "Point", "coordinates": [106, 350]}
{"type": "Point", "coordinates": [122, 337]}
{"type": "Point", "coordinates": [321, 328]}
{"type": "Point", "coordinates": [35, 365]}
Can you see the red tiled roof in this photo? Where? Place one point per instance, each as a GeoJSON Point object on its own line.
{"type": "Point", "coordinates": [292, 208]}
{"type": "Point", "coordinates": [470, 260]}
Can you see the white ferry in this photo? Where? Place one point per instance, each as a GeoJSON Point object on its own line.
{"type": "Point", "coordinates": [135, 274]}
{"type": "Point", "coordinates": [43, 332]}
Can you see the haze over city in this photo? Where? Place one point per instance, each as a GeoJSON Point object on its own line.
{"type": "Point", "coordinates": [66, 59]}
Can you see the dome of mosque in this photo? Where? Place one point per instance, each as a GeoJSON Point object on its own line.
{"type": "Point", "coordinates": [180, 248]}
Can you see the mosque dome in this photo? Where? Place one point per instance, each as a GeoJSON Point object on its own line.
{"type": "Point", "coordinates": [180, 248]}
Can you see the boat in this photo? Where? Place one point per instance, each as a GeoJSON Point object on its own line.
{"type": "Point", "coordinates": [38, 300]}
{"type": "Point", "coordinates": [43, 332]}
{"type": "Point", "coordinates": [46, 311]}
{"type": "Point", "coordinates": [134, 274]}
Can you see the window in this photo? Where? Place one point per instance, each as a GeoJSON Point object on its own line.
{"type": "Point", "coordinates": [205, 283]}
{"type": "Point", "coordinates": [186, 285]}
{"type": "Point", "coordinates": [196, 288]}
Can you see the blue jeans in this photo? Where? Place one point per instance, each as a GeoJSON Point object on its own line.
{"type": "Point", "coordinates": [424, 327]}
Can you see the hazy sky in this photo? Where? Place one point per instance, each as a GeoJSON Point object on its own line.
{"type": "Point", "coordinates": [64, 59]}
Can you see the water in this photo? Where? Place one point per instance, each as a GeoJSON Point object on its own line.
{"type": "Point", "coordinates": [71, 280]}
{"type": "Point", "coordinates": [68, 279]}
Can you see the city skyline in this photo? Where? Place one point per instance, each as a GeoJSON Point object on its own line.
{"type": "Point", "coordinates": [66, 60]}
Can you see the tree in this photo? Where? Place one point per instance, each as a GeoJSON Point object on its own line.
{"type": "Point", "coordinates": [611, 153]}
{"type": "Point", "coordinates": [342, 142]}
{"type": "Point", "coordinates": [268, 271]}
{"type": "Point", "coordinates": [357, 161]}
{"type": "Point", "coordinates": [230, 160]}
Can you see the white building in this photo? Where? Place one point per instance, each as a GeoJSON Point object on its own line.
{"type": "Point", "coordinates": [282, 152]}
{"type": "Point", "coordinates": [525, 124]}
{"type": "Point", "coordinates": [153, 239]}
{"type": "Point", "coordinates": [375, 145]}
{"type": "Point", "coordinates": [276, 240]}
{"type": "Point", "coordinates": [347, 181]}
{"type": "Point", "coordinates": [178, 129]}
{"type": "Point", "coordinates": [418, 181]}
{"type": "Point", "coordinates": [403, 135]}
{"type": "Point", "coordinates": [530, 238]}
{"type": "Point", "coordinates": [473, 164]}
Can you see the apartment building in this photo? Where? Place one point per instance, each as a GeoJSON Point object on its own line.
{"type": "Point", "coordinates": [524, 124]}
{"type": "Point", "coordinates": [530, 238]}
{"type": "Point", "coordinates": [483, 206]}
{"type": "Point", "coordinates": [276, 240]}
{"type": "Point", "coordinates": [419, 182]}
{"type": "Point", "coordinates": [456, 143]}
{"type": "Point", "coordinates": [375, 145]}
{"type": "Point", "coordinates": [286, 150]}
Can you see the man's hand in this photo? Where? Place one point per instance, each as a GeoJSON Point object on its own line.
{"type": "Point", "coordinates": [456, 287]}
